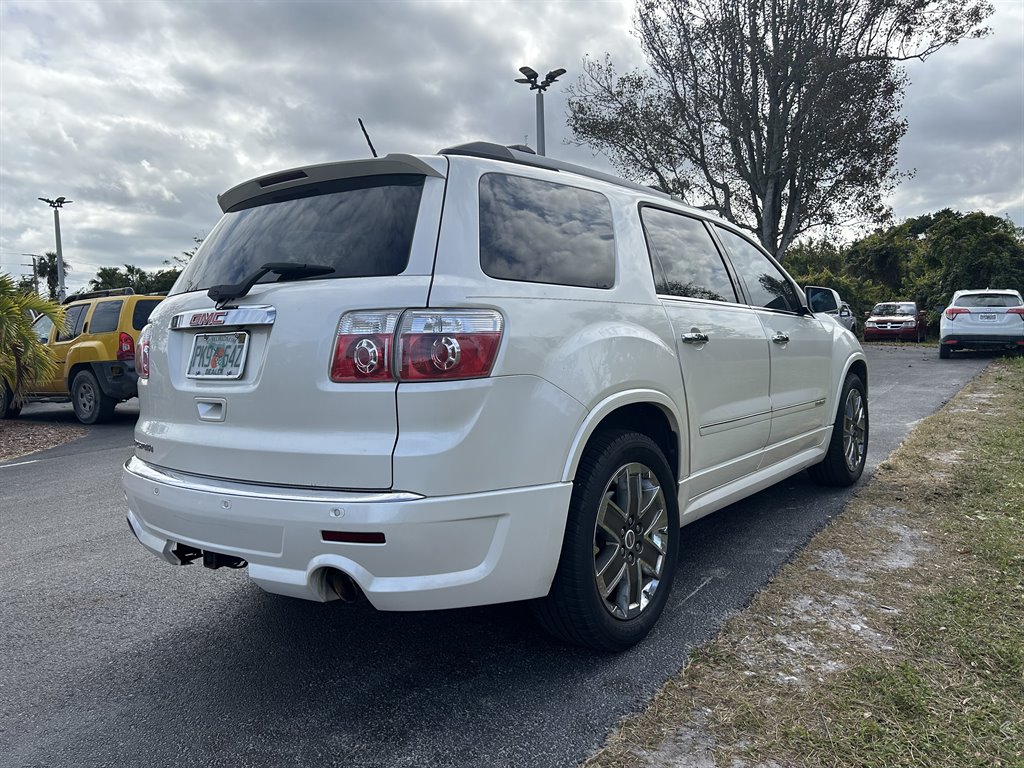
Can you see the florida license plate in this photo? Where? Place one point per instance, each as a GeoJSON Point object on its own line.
{"type": "Point", "coordinates": [218, 355]}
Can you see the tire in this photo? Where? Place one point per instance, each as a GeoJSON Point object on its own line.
{"type": "Point", "coordinates": [944, 351]}
{"type": "Point", "coordinates": [91, 405]}
{"type": "Point", "coordinates": [7, 408]}
{"type": "Point", "coordinates": [586, 606]}
{"type": "Point", "coordinates": [847, 450]}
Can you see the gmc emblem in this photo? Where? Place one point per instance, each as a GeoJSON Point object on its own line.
{"type": "Point", "coordinates": [207, 318]}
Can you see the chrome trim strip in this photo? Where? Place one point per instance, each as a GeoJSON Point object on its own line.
{"type": "Point", "coordinates": [742, 421]}
{"type": "Point", "coordinates": [798, 407]}
{"type": "Point", "coordinates": [211, 317]}
{"type": "Point", "coordinates": [190, 482]}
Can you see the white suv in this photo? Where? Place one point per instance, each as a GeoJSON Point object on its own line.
{"type": "Point", "coordinates": [990, 319]}
{"type": "Point", "coordinates": [477, 377]}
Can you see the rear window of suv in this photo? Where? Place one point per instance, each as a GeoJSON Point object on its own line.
{"type": "Point", "coordinates": [541, 232]}
{"type": "Point", "coordinates": [361, 227]}
{"type": "Point", "coordinates": [988, 300]}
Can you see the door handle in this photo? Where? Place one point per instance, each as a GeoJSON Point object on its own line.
{"type": "Point", "coordinates": [780, 338]}
{"type": "Point", "coordinates": [696, 337]}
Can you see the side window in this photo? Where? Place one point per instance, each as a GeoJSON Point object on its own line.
{"type": "Point", "coordinates": [767, 285]}
{"type": "Point", "coordinates": [143, 309]}
{"type": "Point", "coordinates": [74, 319]}
{"type": "Point", "coordinates": [42, 327]}
{"type": "Point", "coordinates": [684, 257]}
{"type": "Point", "coordinates": [541, 232]}
{"type": "Point", "coordinates": [104, 316]}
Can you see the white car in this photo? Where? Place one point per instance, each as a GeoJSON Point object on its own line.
{"type": "Point", "coordinates": [476, 377]}
{"type": "Point", "coordinates": [982, 319]}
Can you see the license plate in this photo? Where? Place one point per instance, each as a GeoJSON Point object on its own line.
{"type": "Point", "coordinates": [987, 317]}
{"type": "Point", "coordinates": [218, 355]}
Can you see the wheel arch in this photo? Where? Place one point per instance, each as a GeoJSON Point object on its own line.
{"type": "Point", "coordinates": [649, 412]}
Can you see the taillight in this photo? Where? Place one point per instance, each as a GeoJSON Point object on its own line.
{"type": "Point", "coordinates": [417, 345]}
{"type": "Point", "coordinates": [448, 344]}
{"type": "Point", "coordinates": [362, 349]}
{"type": "Point", "coordinates": [142, 364]}
{"type": "Point", "coordinates": [1016, 311]}
{"type": "Point", "coordinates": [125, 347]}
{"type": "Point", "coordinates": [952, 312]}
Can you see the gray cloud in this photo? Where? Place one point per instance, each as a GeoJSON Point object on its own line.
{"type": "Point", "coordinates": [143, 112]}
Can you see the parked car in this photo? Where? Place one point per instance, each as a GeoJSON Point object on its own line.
{"type": "Point", "coordinates": [827, 301]}
{"type": "Point", "coordinates": [896, 320]}
{"type": "Point", "coordinates": [982, 319]}
{"type": "Point", "coordinates": [95, 352]}
{"type": "Point", "coordinates": [476, 377]}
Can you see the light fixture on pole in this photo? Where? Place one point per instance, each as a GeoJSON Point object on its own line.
{"type": "Point", "coordinates": [57, 204]}
{"type": "Point", "coordinates": [530, 78]}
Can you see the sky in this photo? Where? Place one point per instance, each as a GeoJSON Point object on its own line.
{"type": "Point", "coordinates": [142, 112]}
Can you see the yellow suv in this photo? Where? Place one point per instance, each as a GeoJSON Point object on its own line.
{"type": "Point", "coordinates": [95, 351]}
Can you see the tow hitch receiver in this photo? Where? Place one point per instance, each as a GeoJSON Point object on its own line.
{"type": "Point", "coordinates": [186, 554]}
{"type": "Point", "coordinates": [216, 560]}
{"type": "Point", "coordinates": [213, 560]}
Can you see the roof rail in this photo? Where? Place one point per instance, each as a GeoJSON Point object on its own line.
{"type": "Point", "coordinates": [516, 154]}
{"type": "Point", "coordinates": [98, 294]}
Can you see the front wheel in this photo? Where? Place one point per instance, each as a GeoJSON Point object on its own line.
{"type": "Point", "coordinates": [848, 449]}
{"type": "Point", "coordinates": [91, 405]}
{"type": "Point", "coordinates": [619, 551]}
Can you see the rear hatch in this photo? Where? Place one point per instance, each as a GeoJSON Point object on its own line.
{"type": "Point", "coordinates": [241, 387]}
{"type": "Point", "coordinates": [987, 314]}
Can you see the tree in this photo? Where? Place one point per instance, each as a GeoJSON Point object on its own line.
{"type": "Point", "coordinates": [136, 278]}
{"type": "Point", "coordinates": [24, 359]}
{"type": "Point", "coordinates": [46, 268]}
{"type": "Point", "coordinates": [780, 115]}
{"type": "Point", "coordinates": [181, 261]}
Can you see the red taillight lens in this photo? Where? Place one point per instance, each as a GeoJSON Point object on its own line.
{"type": "Point", "coordinates": [436, 345]}
{"type": "Point", "coordinates": [125, 347]}
{"type": "Point", "coordinates": [1019, 311]}
{"type": "Point", "coordinates": [952, 312]}
{"type": "Point", "coordinates": [142, 364]}
{"type": "Point", "coordinates": [362, 349]}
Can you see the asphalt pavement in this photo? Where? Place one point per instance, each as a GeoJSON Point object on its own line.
{"type": "Point", "coordinates": [112, 657]}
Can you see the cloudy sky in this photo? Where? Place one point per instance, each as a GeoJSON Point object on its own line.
{"type": "Point", "coordinates": [142, 112]}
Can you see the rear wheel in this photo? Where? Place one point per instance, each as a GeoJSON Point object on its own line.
{"type": "Point", "coordinates": [847, 451]}
{"type": "Point", "coordinates": [91, 405]}
{"type": "Point", "coordinates": [8, 410]}
{"type": "Point", "coordinates": [944, 351]}
{"type": "Point", "coordinates": [619, 552]}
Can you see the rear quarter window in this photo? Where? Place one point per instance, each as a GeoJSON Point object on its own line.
{"type": "Point", "coordinates": [143, 309]}
{"type": "Point", "coordinates": [541, 232]}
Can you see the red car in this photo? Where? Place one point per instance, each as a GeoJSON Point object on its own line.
{"type": "Point", "coordinates": [897, 321]}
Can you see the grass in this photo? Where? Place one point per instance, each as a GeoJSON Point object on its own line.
{"type": "Point", "coordinates": [895, 639]}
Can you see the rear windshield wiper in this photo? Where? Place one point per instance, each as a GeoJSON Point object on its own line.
{"type": "Point", "coordinates": [286, 269]}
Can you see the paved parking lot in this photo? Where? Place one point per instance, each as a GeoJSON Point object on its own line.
{"type": "Point", "coordinates": [111, 657]}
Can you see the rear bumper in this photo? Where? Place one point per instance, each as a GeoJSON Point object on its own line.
{"type": "Point", "coordinates": [983, 341]}
{"type": "Point", "coordinates": [117, 379]}
{"type": "Point", "coordinates": [441, 552]}
{"type": "Point", "coordinates": [887, 334]}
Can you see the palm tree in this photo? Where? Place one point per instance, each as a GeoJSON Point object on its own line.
{"type": "Point", "coordinates": [46, 268]}
{"type": "Point", "coordinates": [24, 359]}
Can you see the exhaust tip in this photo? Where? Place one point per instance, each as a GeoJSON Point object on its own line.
{"type": "Point", "coordinates": [342, 586]}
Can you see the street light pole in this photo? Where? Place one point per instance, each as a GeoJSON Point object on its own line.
{"type": "Point", "coordinates": [57, 205]}
{"type": "Point", "coordinates": [530, 78]}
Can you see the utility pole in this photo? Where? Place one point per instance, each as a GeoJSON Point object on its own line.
{"type": "Point", "coordinates": [35, 272]}
{"type": "Point", "coordinates": [530, 78]}
{"type": "Point", "coordinates": [57, 204]}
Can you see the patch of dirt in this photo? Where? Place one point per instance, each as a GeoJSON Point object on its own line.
{"type": "Point", "coordinates": [20, 438]}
